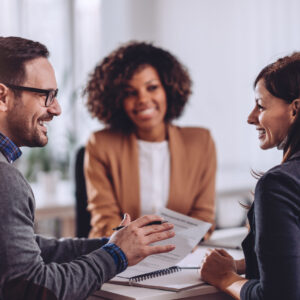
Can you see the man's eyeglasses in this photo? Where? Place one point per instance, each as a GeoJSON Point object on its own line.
{"type": "Point", "coordinates": [50, 94]}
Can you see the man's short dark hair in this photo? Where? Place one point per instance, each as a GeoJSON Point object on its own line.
{"type": "Point", "coordinates": [14, 53]}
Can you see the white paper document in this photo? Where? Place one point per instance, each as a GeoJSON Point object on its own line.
{"type": "Point", "coordinates": [188, 233]}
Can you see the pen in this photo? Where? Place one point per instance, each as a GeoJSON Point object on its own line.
{"type": "Point", "coordinates": [151, 223]}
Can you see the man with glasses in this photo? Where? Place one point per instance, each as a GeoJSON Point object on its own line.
{"type": "Point", "coordinates": [33, 267]}
{"type": "Point", "coordinates": [50, 94]}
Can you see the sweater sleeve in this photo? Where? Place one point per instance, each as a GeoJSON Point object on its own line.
{"type": "Point", "coordinates": [277, 240]}
{"type": "Point", "coordinates": [24, 274]}
{"type": "Point", "coordinates": [66, 249]}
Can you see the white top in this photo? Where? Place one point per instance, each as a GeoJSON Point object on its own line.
{"type": "Point", "coordinates": [154, 169]}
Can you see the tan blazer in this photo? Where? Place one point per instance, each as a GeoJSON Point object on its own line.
{"type": "Point", "coordinates": [112, 176]}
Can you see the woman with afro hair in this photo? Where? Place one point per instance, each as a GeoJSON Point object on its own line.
{"type": "Point", "coordinates": [141, 162]}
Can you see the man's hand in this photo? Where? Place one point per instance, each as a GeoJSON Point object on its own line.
{"type": "Point", "coordinates": [135, 238]}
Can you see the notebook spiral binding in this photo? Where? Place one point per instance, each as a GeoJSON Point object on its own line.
{"type": "Point", "coordinates": [154, 274]}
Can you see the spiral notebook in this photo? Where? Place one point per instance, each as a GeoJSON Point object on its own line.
{"type": "Point", "coordinates": [162, 271]}
{"type": "Point", "coordinates": [171, 279]}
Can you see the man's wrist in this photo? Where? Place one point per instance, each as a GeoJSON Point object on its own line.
{"type": "Point", "coordinates": [118, 256]}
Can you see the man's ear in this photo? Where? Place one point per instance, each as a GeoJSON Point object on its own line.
{"type": "Point", "coordinates": [3, 97]}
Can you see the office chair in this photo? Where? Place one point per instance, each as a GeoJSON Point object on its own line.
{"type": "Point", "coordinates": [83, 217]}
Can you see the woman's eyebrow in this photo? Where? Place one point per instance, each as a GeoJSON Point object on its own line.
{"type": "Point", "coordinates": [151, 80]}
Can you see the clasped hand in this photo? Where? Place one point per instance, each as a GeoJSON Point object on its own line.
{"type": "Point", "coordinates": [217, 267]}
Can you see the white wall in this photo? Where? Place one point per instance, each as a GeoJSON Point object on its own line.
{"type": "Point", "coordinates": [224, 44]}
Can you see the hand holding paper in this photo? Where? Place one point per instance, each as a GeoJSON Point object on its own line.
{"type": "Point", "coordinates": [136, 238]}
{"type": "Point", "coordinates": [189, 232]}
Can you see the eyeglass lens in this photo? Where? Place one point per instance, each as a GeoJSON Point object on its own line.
{"type": "Point", "coordinates": [51, 96]}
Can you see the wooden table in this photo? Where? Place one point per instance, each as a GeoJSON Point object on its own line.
{"type": "Point", "coordinates": [117, 292]}
{"type": "Point", "coordinates": [202, 292]}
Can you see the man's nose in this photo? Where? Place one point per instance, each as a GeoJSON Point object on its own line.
{"type": "Point", "coordinates": [55, 108]}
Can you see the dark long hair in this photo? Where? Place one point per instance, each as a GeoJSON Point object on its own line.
{"type": "Point", "coordinates": [282, 80]}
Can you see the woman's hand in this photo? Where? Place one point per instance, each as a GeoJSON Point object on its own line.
{"type": "Point", "coordinates": [220, 270]}
{"type": "Point", "coordinates": [217, 267]}
{"type": "Point", "coordinates": [240, 266]}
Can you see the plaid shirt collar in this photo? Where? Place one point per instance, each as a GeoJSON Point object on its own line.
{"type": "Point", "coordinates": [9, 149]}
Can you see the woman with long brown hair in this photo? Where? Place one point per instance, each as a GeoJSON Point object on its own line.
{"type": "Point", "coordinates": [272, 247]}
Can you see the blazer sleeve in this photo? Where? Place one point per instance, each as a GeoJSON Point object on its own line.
{"type": "Point", "coordinates": [277, 243]}
{"type": "Point", "coordinates": [204, 203]}
{"type": "Point", "coordinates": [102, 201]}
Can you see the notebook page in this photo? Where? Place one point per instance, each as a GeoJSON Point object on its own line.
{"type": "Point", "coordinates": [186, 278]}
{"type": "Point", "coordinates": [188, 232]}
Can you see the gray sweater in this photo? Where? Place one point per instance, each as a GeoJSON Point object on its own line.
{"type": "Point", "coordinates": [33, 267]}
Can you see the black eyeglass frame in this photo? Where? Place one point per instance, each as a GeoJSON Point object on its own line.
{"type": "Point", "coordinates": [50, 94]}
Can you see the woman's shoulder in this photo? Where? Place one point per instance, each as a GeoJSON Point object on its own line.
{"type": "Point", "coordinates": [289, 169]}
{"type": "Point", "coordinates": [192, 133]}
{"type": "Point", "coordinates": [104, 136]}
{"type": "Point", "coordinates": [281, 178]}
{"type": "Point", "coordinates": [106, 141]}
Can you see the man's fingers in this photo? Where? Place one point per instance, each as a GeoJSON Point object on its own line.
{"type": "Point", "coordinates": [157, 228]}
{"type": "Point", "coordinates": [126, 220]}
{"type": "Point", "coordinates": [143, 221]}
{"type": "Point", "coordinates": [159, 249]}
{"type": "Point", "coordinates": [159, 236]}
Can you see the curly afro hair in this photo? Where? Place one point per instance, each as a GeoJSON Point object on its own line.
{"type": "Point", "coordinates": [106, 85]}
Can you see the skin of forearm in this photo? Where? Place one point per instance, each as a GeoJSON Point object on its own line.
{"type": "Point", "coordinates": [232, 285]}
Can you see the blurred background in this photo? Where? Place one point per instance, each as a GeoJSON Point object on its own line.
{"type": "Point", "coordinates": [224, 44]}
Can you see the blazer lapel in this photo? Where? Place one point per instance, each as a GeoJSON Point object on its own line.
{"type": "Point", "coordinates": [130, 178]}
{"type": "Point", "coordinates": [178, 171]}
